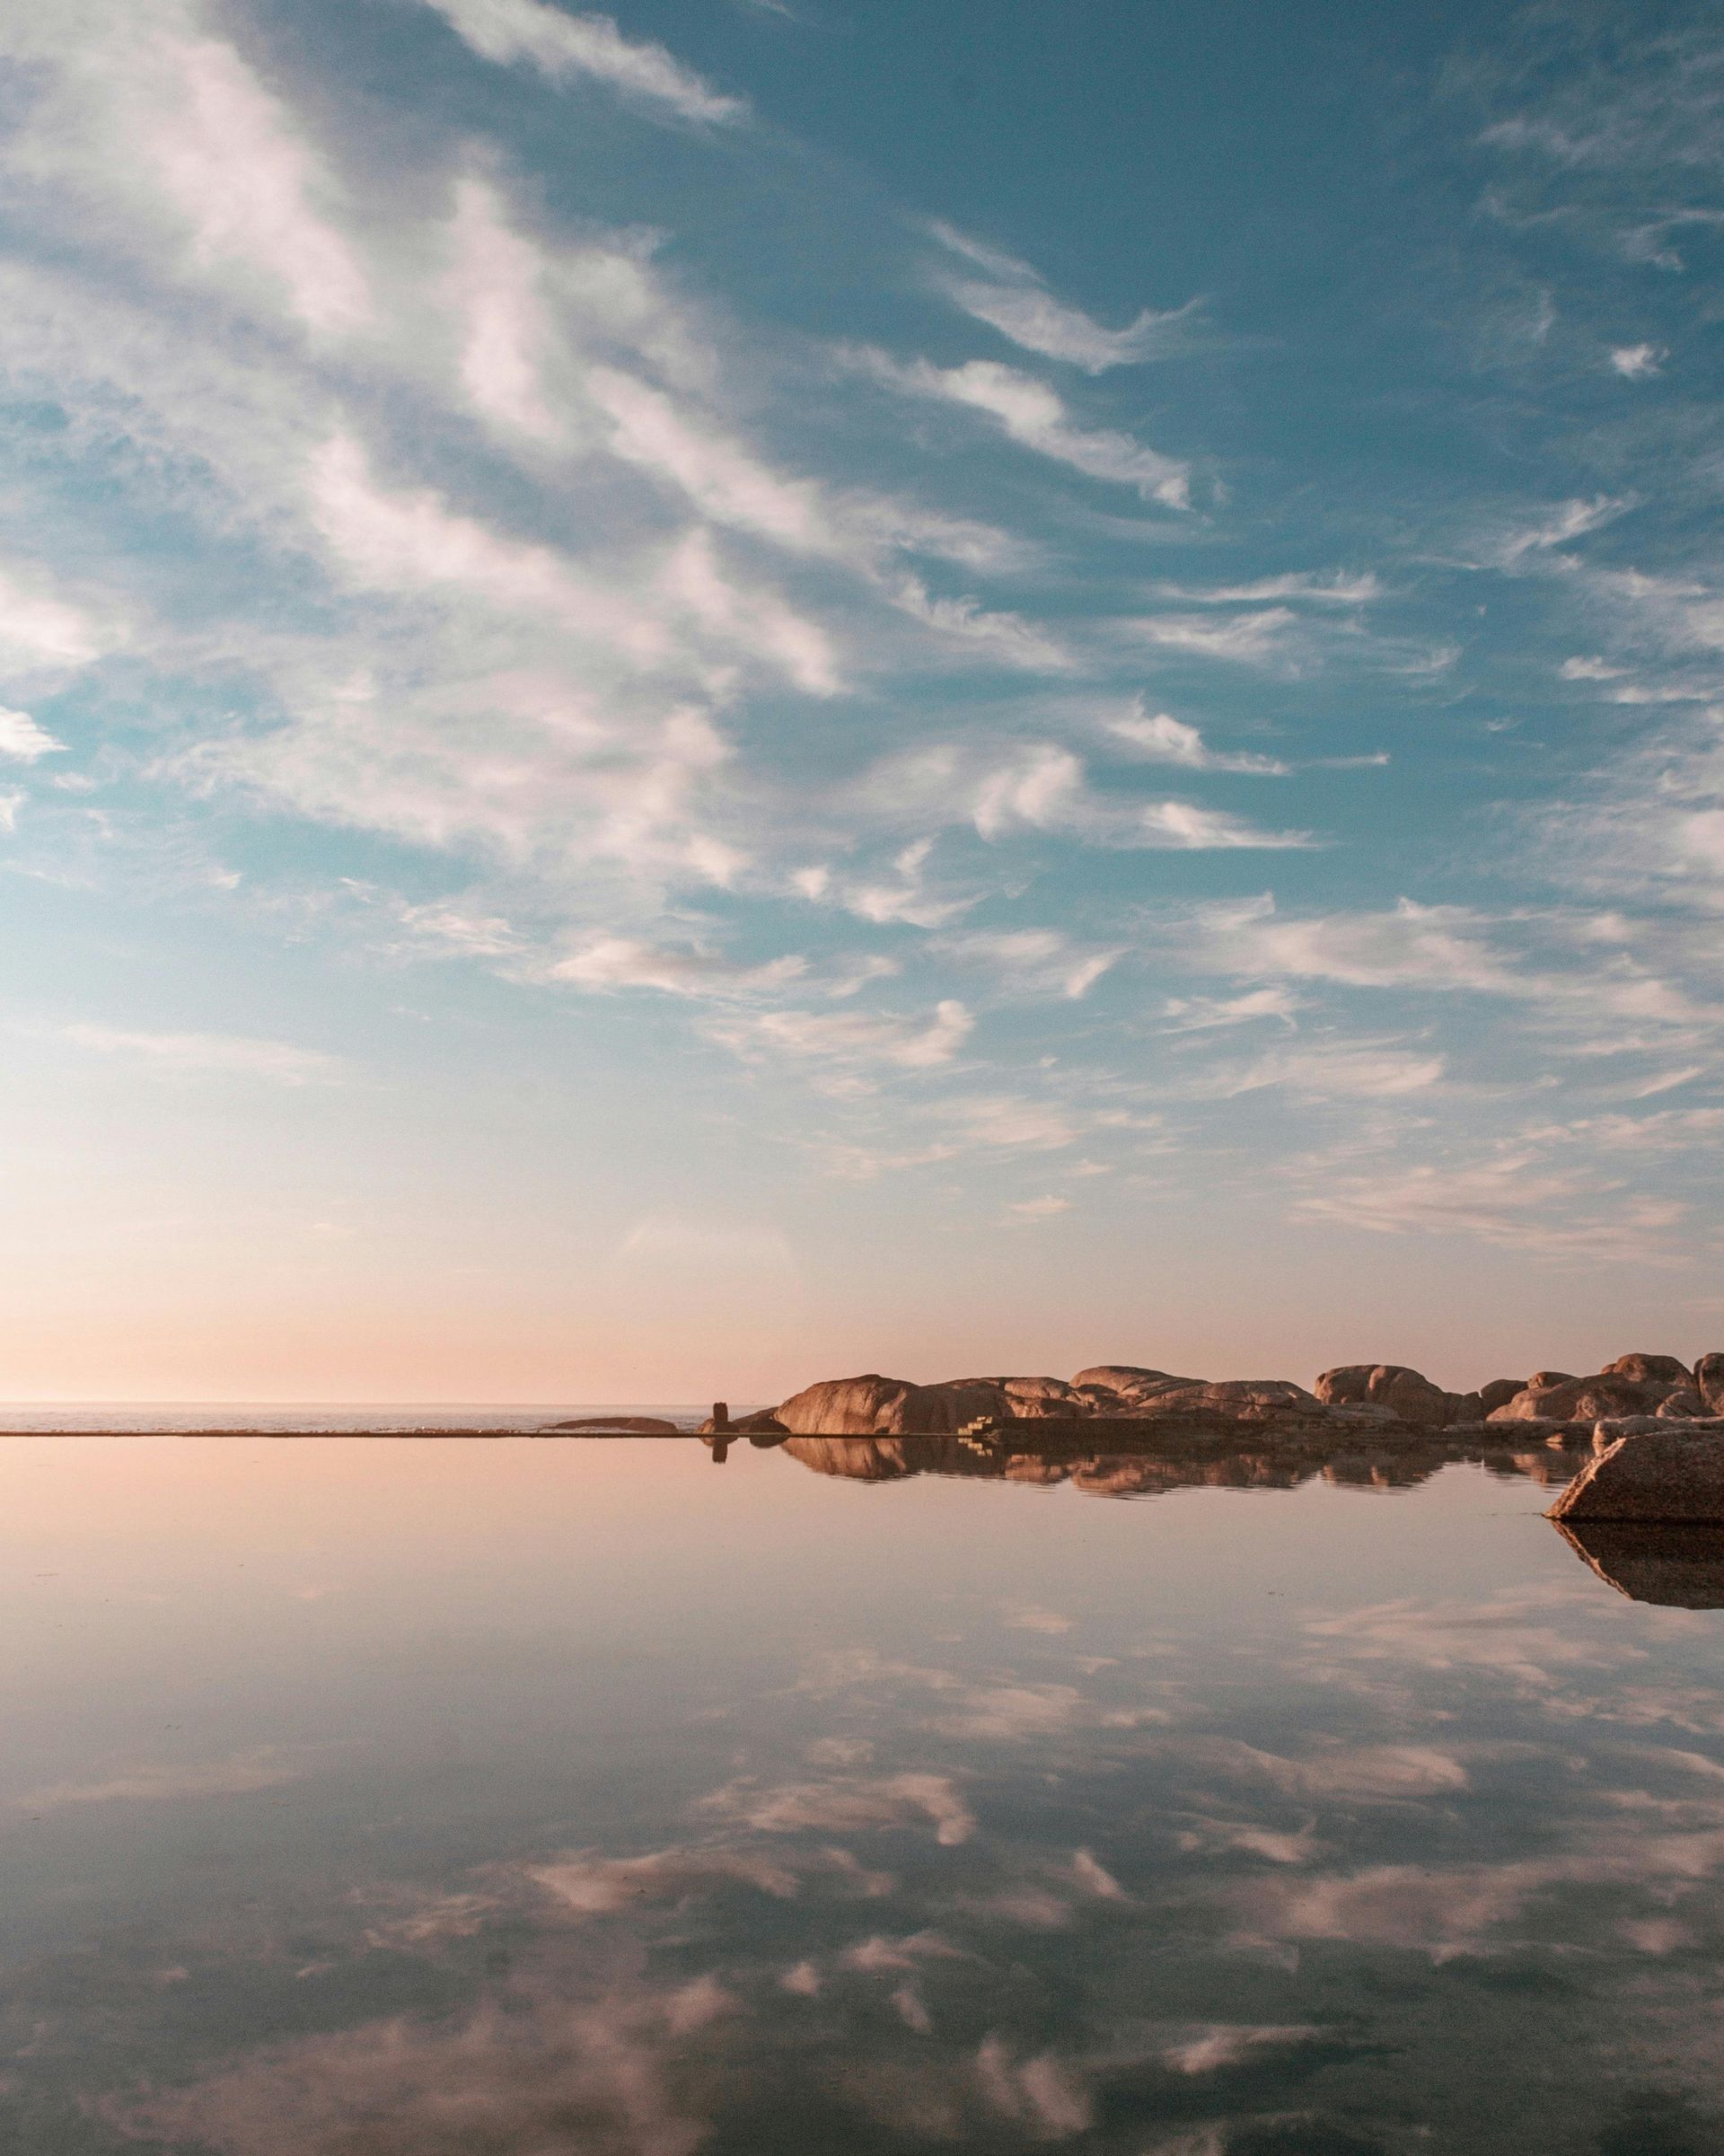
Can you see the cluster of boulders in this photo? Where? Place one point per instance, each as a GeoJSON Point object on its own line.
{"type": "Point", "coordinates": [1385, 1396]}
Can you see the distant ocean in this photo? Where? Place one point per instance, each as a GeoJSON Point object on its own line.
{"type": "Point", "coordinates": [266, 1419]}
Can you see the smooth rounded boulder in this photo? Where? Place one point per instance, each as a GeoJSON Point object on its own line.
{"type": "Point", "coordinates": [1405, 1392]}
{"type": "Point", "coordinates": [1708, 1381]}
{"type": "Point", "coordinates": [1648, 1370]}
{"type": "Point", "coordinates": [844, 1407]}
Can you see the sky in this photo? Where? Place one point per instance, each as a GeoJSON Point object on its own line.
{"type": "Point", "coordinates": [759, 689]}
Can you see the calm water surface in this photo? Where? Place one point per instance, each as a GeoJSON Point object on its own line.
{"type": "Point", "coordinates": [518, 1799]}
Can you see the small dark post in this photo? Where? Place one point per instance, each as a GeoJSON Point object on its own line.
{"type": "Point", "coordinates": [720, 1414]}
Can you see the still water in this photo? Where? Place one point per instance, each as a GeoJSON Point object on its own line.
{"type": "Point", "coordinates": [589, 1798]}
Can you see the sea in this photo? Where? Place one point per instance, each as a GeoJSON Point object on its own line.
{"type": "Point", "coordinates": [498, 1797]}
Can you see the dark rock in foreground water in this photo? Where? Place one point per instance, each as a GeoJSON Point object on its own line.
{"type": "Point", "coordinates": [1672, 1473]}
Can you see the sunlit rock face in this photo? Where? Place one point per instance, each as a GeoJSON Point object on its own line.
{"type": "Point", "coordinates": [845, 1407]}
{"type": "Point", "coordinates": [1350, 1396]}
{"type": "Point", "coordinates": [1633, 1385]}
{"type": "Point", "coordinates": [1404, 1392]}
{"type": "Point", "coordinates": [1643, 1369]}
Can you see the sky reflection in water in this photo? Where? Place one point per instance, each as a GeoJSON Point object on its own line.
{"type": "Point", "coordinates": [453, 1799]}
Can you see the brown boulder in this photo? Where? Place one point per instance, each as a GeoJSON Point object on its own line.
{"type": "Point", "coordinates": [1033, 1399]}
{"type": "Point", "coordinates": [1392, 1384]}
{"type": "Point", "coordinates": [1498, 1393]}
{"type": "Point", "coordinates": [1709, 1377]}
{"type": "Point", "coordinates": [1245, 1399]}
{"type": "Point", "coordinates": [844, 1407]}
{"type": "Point", "coordinates": [1648, 1370]}
{"type": "Point", "coordinates": [1124, 1377]}
{"type": "Point", "coordinates": [1675, 1474]}
{"type": "Point", "coordinates": [1539, 1379]}
{"type": "Point", "coordinates": [1684, 1405]}
{"type": "Point", "coordinates": [938, 1410]}
{"type": "Point", "coordinates": [1580, 1400]}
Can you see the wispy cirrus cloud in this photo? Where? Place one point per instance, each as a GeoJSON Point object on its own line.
{"type": "Point", "coordinates": [563, 44]}
{"type": "Point", "coordinates": [1034, 416]}
{"type": "Point", "coordinates": [1011, 298]}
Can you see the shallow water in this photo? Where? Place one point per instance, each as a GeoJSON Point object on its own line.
{"type": "Point", "coordinates": [511, 1798]}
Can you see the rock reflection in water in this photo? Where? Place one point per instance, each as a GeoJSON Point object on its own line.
{"type": "Point", "coordinates": [1152, 1467]}
{"type": "Point", "coordinates": [1679, 1567]}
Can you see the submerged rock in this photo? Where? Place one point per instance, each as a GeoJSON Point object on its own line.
{"type": "Point", "coordinates": [1672, 1472]}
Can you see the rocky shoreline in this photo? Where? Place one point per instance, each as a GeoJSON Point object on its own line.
{"type": "Point", "coordinates": [1380, 1397]}
{"type": "Point", "coordinates": [1645, 1431]}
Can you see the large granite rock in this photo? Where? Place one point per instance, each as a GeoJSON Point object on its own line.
{"type": "Point", "coordinates": [1644, 1369]}
{"type": "Point", "coordinates": [1498, 1393]}
{"type": "Point", "coordinates": [1041, 1399]}
{"type": "Point", "coordinates": [873, 1405]}
{"type": "Point", "coordinates": [1124, 1377]}
{"type": "Point", "coordinates": [1709, 1377]}
{"type": "Point", "coordinates": [1673, 1472]}
{"type": "Point", "coordinates": [1560, 1399]}
{"type": "Point", "coordinates": [844, 1407]}
{"type": "Point", "coordinates": [1403, 1391]}
{"type": "Point", "coordinates": [1243, 1399]}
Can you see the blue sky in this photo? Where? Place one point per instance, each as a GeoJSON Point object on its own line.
{"type": "Point", "coordinates": [755, 688]}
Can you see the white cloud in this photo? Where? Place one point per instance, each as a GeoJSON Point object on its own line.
{"type": "Point", "coordinates": [1160, 738]}
{"type": "Point", "coordinates": [208, 1055]}
{"type": "Point", "coordinates": [495, 285]}
{"type": "Point", "coordinates": [851, 1042]}
{"type": "Point", "coordinates": [176, 135]}
{"type": "Point", "coordinates": [228, 156]}
{"type": "Point", "coordinates": [1339, 589]}
{"type": "Point", "coordinates": [1034, 416]}
{"type": "Point", "coordinates": [1032, 961]}
{"type": "Point", "coordinates": [1637, 361]}
{"type": "Point", "coordinates": [1183, 825]}
{"type": "Point", "coordinates": [1024, 1211]}
{"type": "Point", "coordinates": [38, 628]}
{"type": "Point", "coordinates": [1514, 1198]}
{"type": "Point", "coordinates": [1568, 520]}
{"type": "Point", "coordinates": [1410, 947]}
{"type": "Point", "coordinates": [618, 961]}
{"type": "Point", "coordinates": [24, 740]}
{"type": "Point", "coordinates": [1206, 1013]}
{"type": "Point", "coordinates": [1016, 302]}
{"type": "Point", "coordinates": [560, 44]}
{"type": "Point", "coordinates": [1332, 1071]}
{"type": "Point", "coordinates": [1045, 787]}
{"type": "Point", "coordinates": [1257, 638]}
